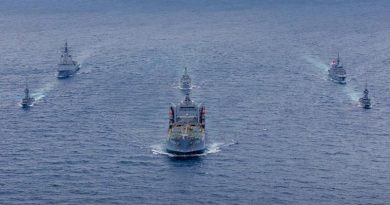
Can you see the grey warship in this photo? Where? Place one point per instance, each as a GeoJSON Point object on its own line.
{"type": "Point", "coordinates": [365, 101]}
{"type": "Point", "coordinates": [186, 133]}
{"type": "Point", "coordinates": [185, 81]}
{"type": "Point", "coordinates": [27, 101]}
{"type": "Point", "coordinates": [67, 66]}
{"type": "Point", "coordinates": [337, 72]}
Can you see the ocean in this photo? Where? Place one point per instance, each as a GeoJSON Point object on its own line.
{"type": "Point", "coordinates": [279, 131]}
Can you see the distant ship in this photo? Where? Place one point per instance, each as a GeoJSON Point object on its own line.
{"type": "Point", "coordinates": [365, 101]}
{"type": "Point", "coordinates": [27, 101]}
{"type": "Point", "coordinates": [186, 133]}
{"type": "Point", "coordinates": [185, 81]}
{"type": "Point", "coordinates": [67, 67]}
{"type": "Point", "coordinates": [336, 72]}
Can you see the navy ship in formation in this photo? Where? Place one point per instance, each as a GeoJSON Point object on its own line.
{"type": "Point", "coordinates": [27, 101]}
{"type": "Point", "coordinates": [185, 81]}
{"type": "Point", "coordinates": [365, 101]}
{"type": "Point", "coordinates": [186, 133]}
{"type": "Point", "coordinates": [187, 126]}
{"type": "Point", "coordinates": [337, 72]}
{"type": "Point", "coordinates": [67, 66]}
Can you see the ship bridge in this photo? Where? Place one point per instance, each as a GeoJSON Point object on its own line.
{"type": "Point", "coordinates": [186, 113]}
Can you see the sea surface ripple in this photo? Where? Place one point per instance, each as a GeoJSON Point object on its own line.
{"type": "Point", "coordinates": [279, 131]}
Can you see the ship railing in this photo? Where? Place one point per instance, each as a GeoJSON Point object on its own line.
{"type": "Point", "coordinates": [184, 123]}
{"type": "Point", "coordinates": [186, 137]}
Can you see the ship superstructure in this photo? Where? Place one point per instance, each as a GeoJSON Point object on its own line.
{"type": "Point", "coordinates": [365, 101]}
{"type": "Point", "coordinates": [27, 101]}
{"type": "Point", "coordinates": [337, 72]}
{"type": "Point", "coordinates": [67, 66]}
{"type": "Point", "coordinates": [186, 133]}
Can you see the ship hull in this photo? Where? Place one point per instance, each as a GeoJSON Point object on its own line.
{"type": "Point", "coordinates": [186, 146]}
{"type": "Point", "coordinates": [27, 103]}
{"type": "Point", "coordinates": [366, 106]}
{"type": "Point", "coordinates": [365, 103]}
{"type": "Point", "coordinates": [62, 74]}
{"type": "Point", "coordinates": [338, 79]}
{"type": "Point", "coordinates": [337, 76]}
{"type": "Point", "coordinates": [179, 153]}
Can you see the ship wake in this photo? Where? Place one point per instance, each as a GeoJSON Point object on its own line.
{"type": "Point", "coordinates": [317, 63]}
{"type": "Point", "coordinates": [42, 92]}
{"type": "Point", "coordinates": [184, 89]}
{"type": "Point", "coordinates": [348, 89]}
{"type": "Point", "coordinates": [351, 92]}
{"type": "Point", "coordinates": [212, 148]}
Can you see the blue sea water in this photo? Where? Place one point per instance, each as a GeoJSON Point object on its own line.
{"type": "Point", "coordinates": [279, 131]}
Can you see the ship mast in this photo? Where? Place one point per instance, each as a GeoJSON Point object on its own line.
{"type": "Point", "coordinates": [66, 46]}
{"type": "Point", "coordinates": [338, 58]}
{"type": "Point", "coordinates": [65, 57]}
{"type": "Point", "coordinates": [365, 91]}
{"type": "Point", "coordinates": [26, 91]}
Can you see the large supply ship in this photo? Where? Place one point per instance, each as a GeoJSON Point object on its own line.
{"type": "Point", "coordinates": [186, 133]}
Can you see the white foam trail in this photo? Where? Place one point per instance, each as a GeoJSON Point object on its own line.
{"type": "Point", "coordinates": [184, 89]}
{"type": "Point", "coordinates": [42, 92]}
{"type": "Point", "coordinates": [217, 146]}
{"type": "Point", "coordinates": [159, 150]}
{"type": "Point", "coordinates": [352, 93]}
{"type": "Point", "coordinates": [212, 148]}
{"type": "Point", "coordinates": [84, 55]}
{"type": "Point", "coordinates": [38, 96]}
{"type": "Point", "coordinates": [348, 88]}
{"type": "Point", "coordinates": [316, 62]}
